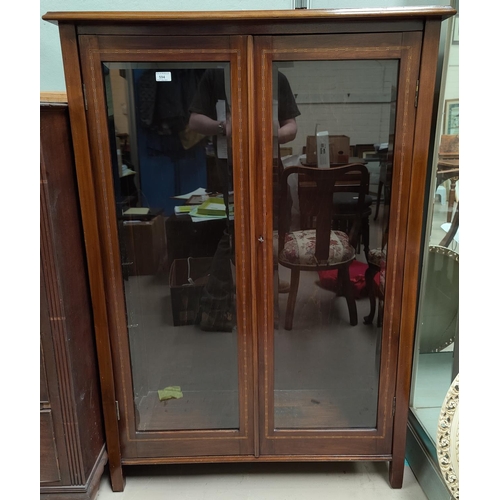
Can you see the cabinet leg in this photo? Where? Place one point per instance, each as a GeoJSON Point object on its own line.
{"type": "Point", "coordinates": [396, 471]}
{"type": "Point", "coordinates": [116, 476]}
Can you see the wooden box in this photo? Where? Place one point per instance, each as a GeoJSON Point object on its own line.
{"type": "Point", "coordinates": [339, 149]}
{"type": "Point", "coordinates": [145, 246]}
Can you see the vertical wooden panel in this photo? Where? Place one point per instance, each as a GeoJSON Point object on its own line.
{"type": "Point", "coordinates": [243, 245]}
{"type": "Point", "coordinates": [89, 218]}
{"type": "Point", "coordinates": [428, 65]}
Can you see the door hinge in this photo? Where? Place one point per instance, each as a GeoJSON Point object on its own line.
{"type": "Point", "coordinates": [302, 4]}
{"type": "Point", "coordinates": [416, 93]}
{"type": "Point", "coordinates": [117, 411]}
{"type": "Point", "coordinates": [85, 96]}
{"type": "Point", "coordinates": [393, 406]}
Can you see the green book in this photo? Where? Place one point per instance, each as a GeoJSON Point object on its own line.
{"type": "Point", "coordinates": [214, 207]}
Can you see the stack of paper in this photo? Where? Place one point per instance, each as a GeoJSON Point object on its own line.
{"type": "Point", "coordinates": [213, 208]}
{"type": "Point", "coordinates": [197, 192]}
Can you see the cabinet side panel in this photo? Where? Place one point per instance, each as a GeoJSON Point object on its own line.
{"type": "Point", "coordinates": [428, 65]}
{"type": "Point", "coordinates": [67, 239]}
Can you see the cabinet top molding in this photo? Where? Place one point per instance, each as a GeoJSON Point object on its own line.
{"type": "Point", "coordinates": [442, 12]}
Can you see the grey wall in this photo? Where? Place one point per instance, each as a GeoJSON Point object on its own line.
{"type": "Point", "coordinates": [51, 70]}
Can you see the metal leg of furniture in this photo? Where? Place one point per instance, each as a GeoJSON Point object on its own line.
{"type": "Point", "coordinates": [451, 198]}
{"type": "Point", "coordinates": [448, 238]}
{"type": "Point", "coordinates": [379, 195]}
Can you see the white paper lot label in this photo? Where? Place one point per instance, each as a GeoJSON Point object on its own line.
{"type": "Point", "coordinates": [163, 76]}
{"type": "Point", "coordinates": [323, 149]}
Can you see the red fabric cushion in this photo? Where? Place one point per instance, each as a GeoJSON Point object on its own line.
{"type": "Point", "coordinates": [328, 279]}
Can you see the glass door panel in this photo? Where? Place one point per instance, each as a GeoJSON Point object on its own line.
{"type": "Point", "coordinates": [329, 308]}
{"type": "Point", "coordinates": [170, 134]}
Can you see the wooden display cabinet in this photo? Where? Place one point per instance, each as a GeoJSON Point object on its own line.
{"type": "Point", "coordinates": [242, 387]}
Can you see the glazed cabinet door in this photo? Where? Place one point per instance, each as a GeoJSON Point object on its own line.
{"type": "Point", "coordinates": [329, 324]}
{"type": "Point", "coordinates": [176, 258]}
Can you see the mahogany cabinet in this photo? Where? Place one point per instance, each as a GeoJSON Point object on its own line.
{"type": "Point", "coordinates": [252, 347]}
{"type": "Point", "coordinates": [72, 448]}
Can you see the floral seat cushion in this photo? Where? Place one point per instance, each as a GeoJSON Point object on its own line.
{"type": "Point", "coordinates": [377, 257]}
{"type": "Point", "coordinates": [300, 247]}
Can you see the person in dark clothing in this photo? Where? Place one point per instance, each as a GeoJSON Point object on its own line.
{"type": "Point", "coordinates": [211, 116]}
{"type": "Point", "coordinates": [203, 118]}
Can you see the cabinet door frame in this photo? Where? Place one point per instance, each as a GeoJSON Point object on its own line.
{"type": "Point", "coordinates": [376, 443]}
{"type": "Point", "coordinates": [135, 446]}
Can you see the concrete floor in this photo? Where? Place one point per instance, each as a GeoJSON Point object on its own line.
{"type": "Point", "coordinates": [293, 481]}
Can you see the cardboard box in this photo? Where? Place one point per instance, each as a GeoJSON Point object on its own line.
{"type": "Point", "coordinates": [339, 148]}
{"type": "Point", "coordinates": [187, 279]}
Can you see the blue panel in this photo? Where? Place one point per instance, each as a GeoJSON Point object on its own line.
{"type": "Point", "coordinates": [166, 169]}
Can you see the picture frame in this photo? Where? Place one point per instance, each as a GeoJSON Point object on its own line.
{"type": "Point", "coordinates": [451, 117]}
